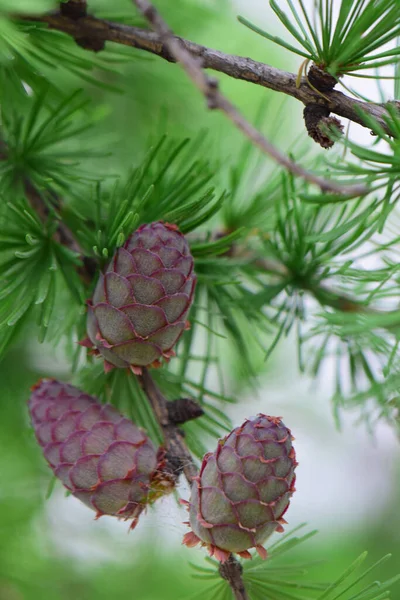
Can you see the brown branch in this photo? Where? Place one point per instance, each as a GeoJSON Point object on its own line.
{"type": "Point", "coordinates": [237, 67]}
{"type": "Point", "coordinates": [174, 438]}
{"type": "Point", "coordinates": [176, 448]}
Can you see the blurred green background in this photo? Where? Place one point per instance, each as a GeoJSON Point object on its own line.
{"type": "Point", "coordinates": [347, 481]}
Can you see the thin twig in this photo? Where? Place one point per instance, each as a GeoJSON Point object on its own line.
{"type": "Point", "coordinates": [176, 447]}
{"type": "Point", "coordinates": [174, 438]}
{"type": "Point", "coordinates": [209, 87]}
{"type": "Point", "coordinates": [232, 570]}
{"type": "Point", "coordinates": [324, 295]}
{"type": "Point", "coordinates": [237, 67]}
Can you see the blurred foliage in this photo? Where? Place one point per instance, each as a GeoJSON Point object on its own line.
{"type": "Point", "coordinates": [280, 579]}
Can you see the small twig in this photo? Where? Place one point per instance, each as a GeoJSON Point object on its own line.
{"type": "Point", "coordinates": [174, 438]}
{"type": "Point", "coordinates": [319, 125]}
{"type": "Point", "coordinates": [215, 100]}
{"type": "Point", "coordinates": [177, 449]}
{"type": "Point", "coordinates": [232, 570]}
{"type": "Point", "coordinates": [323, 294]}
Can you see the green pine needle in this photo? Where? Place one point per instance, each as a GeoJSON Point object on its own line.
{"type": "Point", "coordinates": [347, 45]}
{"type": "Point", "coordinates": [279, 579]}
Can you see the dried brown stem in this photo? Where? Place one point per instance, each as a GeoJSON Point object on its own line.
{"type": "Point", "coordinates": [183, 410]}
{"type": "Point", "coordinates": [176, 447]}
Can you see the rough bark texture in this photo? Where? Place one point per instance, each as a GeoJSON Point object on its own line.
{"type": "Point", "coordinates": [99, 31]}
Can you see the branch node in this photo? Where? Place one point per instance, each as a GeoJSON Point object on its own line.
{"type": "Point", "coordinates": [320, 79]}
{"type": "Point", "coordinates": [74, 9]}
{"type": "Point", "coordinates": [173, 465]}
{"type": "Point", "coordinates": [150, 14]}
{"type": "Point", "coordinates": [320, 125]}
{"type": "Point", "coordinates": [182, 410]}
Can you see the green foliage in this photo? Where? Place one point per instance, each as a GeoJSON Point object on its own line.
{"type": "Point", "coordinates": [272, 259]}
{"type": "Point", "coordinates": [23, 6]}
{"type": "Point", "coordinates": [317, 252]}
{"type": "Point", "coordinates": [172, 183]}
{"type": "Point", "coordinates": [377, 166]}
{"type": "Point", "coordinates": [40, 152]}
{"type": "Point", "coordinates": [34, 269]}
{"type": "Point", "coordinates": [254, 187]}
{"type": "Point", "coordinates": [277, 579]}
{"type": "Point", "coordinates": [344, 45]}
{"type": "Point", "coordinates": [32, 53]}
{"type": "Point", "coordinates": [43, 145]}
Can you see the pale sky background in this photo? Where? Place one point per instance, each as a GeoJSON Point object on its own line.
{"type": "Point", "coordinates": [339, 474]}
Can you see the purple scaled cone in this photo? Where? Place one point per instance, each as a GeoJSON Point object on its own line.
{"type": "Point", "coordinates": [243, 489]}
{"type": "Point", "coordinates": [139, 307]}
{"type": "Point", "coordinates": [100, 456]}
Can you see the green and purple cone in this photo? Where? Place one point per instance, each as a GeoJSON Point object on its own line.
{"type": "Point", "coordinates": [100, 456]}
{"type": "Point", "coordinates": [139, 307]}
{"type": "Point", "coordinates": [243, 489]}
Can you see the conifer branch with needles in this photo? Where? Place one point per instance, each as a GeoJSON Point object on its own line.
{"type": "Point", "coordinates": [216, 100]}
{"type": "Point", "coordinates": [208, 86]}
{"type": "Point", "coordinates": [246, 69]}
{"type": "Point", "coordinates": [323, 294]}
